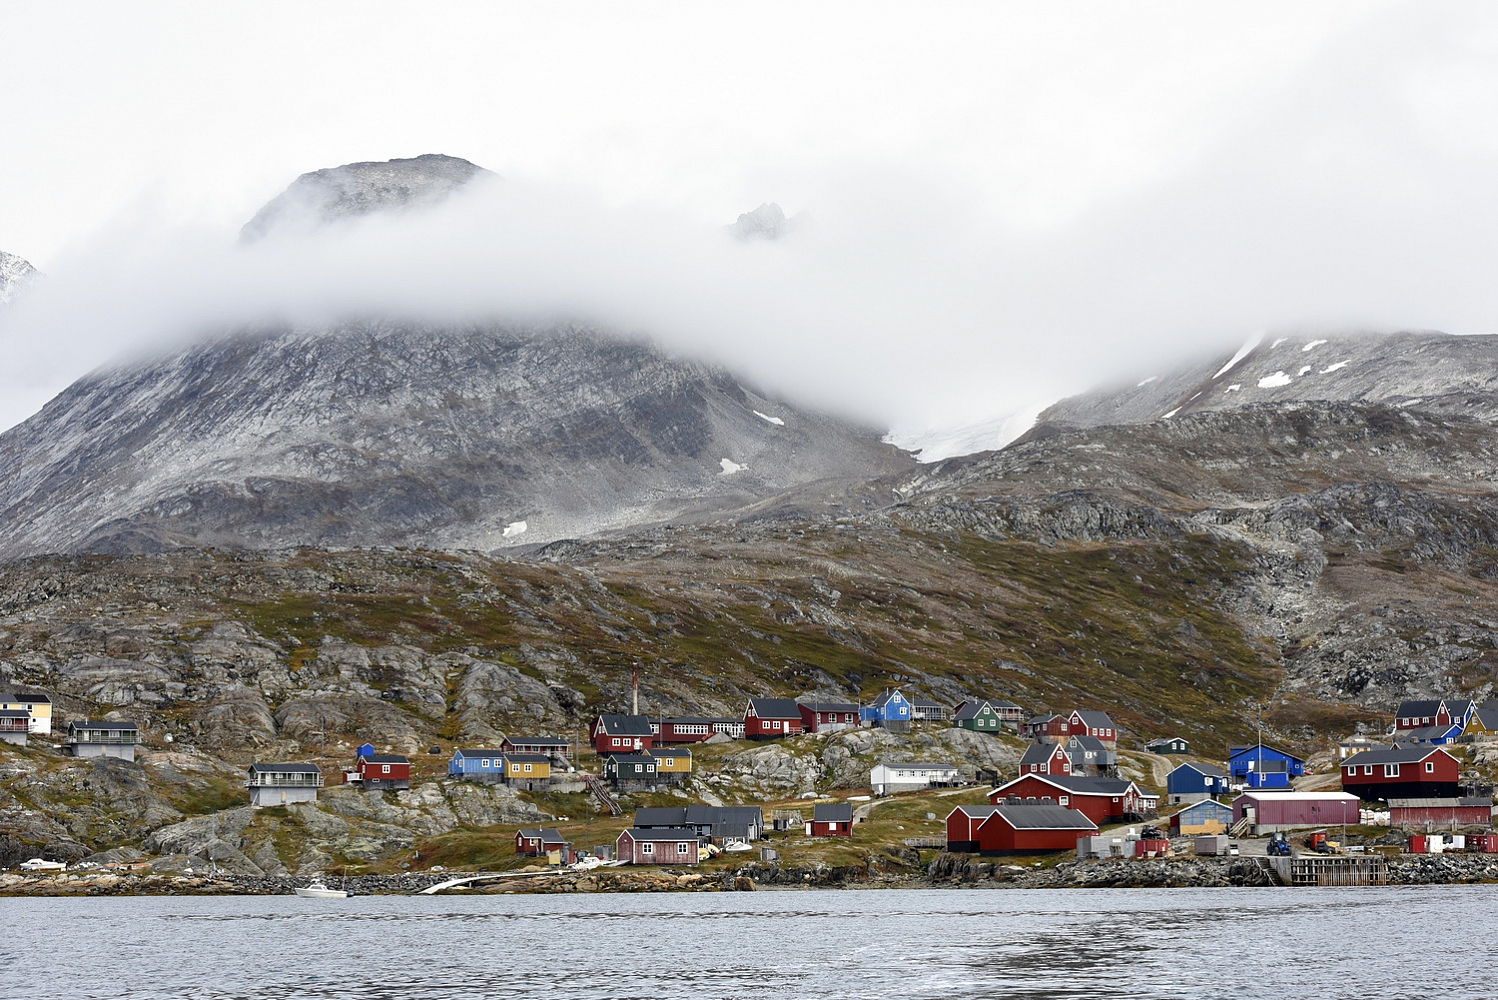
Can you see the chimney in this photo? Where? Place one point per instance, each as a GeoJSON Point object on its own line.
{"type": "Point", "coordinates": [634, 690]}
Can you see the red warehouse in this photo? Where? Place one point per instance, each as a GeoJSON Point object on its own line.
{"type": "Point", "coordinates": [657, 847]}
{"type": "Point", "coordinates": [1016, 827]}
{"type": "Point", "coordinates": [962, 827]}
{"type": "Point", "coordinates": [1440, 814]}
{"type": "Point", "coordinates": [1272, 811]}
{"type": "Point", "coordinates": [1102, 800]}
{"type": "Point", "coordinates": [1402, 772]}
{"type": "Point", "coordinates": [771, 717]}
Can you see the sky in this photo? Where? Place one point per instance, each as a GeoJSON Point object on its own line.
{"type": "Point", "coordinates": [1012, 201]}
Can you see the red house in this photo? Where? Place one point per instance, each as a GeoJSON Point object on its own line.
{"type": "Point", "coordinates": [1403, 771]}
{"type": "Point", "coordinates": [772, 718]}
{"type": "Point", "coordinates": [1045, 727]}
{"type": "Point", "coordinates": [1016, 827]}
{"type": "Point", "coordinates": [1102, 800]}
{"type": "Point", "coordinates": [657, 847]}
{"type": "Point", "coordinates": [621, 734]}
{"type": "Point", "coordinates": [1045, 758]}
{"type": "Point", "coordinates": [832, 819]}
{"type": "Point", "coordinates": [691, 729]}
{"type": "Point", "coordinates": [377, 772]}
{"type": "Point", "coordinates": [1095, 724]}
{"type": "Point", "coordinates": [827, 716]}
{"type": "Point", "coordinates": [537, 842]}
{"type": "Point", "coordinates": [962, 827]}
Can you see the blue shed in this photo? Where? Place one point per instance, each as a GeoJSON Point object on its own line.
{"type": "Point", "coordinates": [365, 750]}
{"type": "Point", "coordinates": [1192, 782]}
{"type": "Point", "coordinates": [477, 764]}
{"type": "Point", "coordinates": [891, 710]}
{"type": "Point", "coordinates": [1260, 766]}
{"type": "Point", "coordinates": [1207, 816]}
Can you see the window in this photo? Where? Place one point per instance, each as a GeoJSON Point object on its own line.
{"type": "Point", "coordinates": [384, 768]}
{"type": "Point", "coordinates": [650, 768]}
{"type": "Point", "coordinates": [1391, 770]}
{"type": "Point", "coordinates": [775, 724]}
{"type": "Point", "coordinates": [527, 769]}
{"type": "Point", "coordinates": [647, 848]}
{"type": "Point", "coordinates": [683, 848]}
{"type": "Point", "coordinates": [483, 763]}
{"type": "Point", "coordinates": [1063, 799]}
{"type": "Point", "coordinates": [668, 762]}
{"type": "Point", "coordinates": [1350, 771]}
{"type": "Point", "coordinates": [1430, 767]}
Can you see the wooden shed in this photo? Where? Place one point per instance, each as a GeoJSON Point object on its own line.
{"type": "Point", "coordinates": [657, 847]}
{"type": "Point", "coordinates": [831, 819]}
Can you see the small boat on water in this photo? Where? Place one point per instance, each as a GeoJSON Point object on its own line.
{"type": "Point", "coordinates": [319, 891]}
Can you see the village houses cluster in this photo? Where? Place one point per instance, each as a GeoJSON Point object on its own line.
{"type": "Point", "coordinates": [1066, 790]}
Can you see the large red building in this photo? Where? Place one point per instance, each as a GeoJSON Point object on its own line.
{"type": "Point", "coordinates": [1014, 826]}
{"type": "Point", "coordinates": [621, 734]}
{"type": "Point", "coordinates": [1440, 814]}
{"type": "Point", "coordinates": [1417, 771]}
{"type": "Point", "coordinates": [1102, 800]}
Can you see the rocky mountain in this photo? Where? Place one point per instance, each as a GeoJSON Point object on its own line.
{"type": "Point", "coordinates": [382, 434]}
{"type": "Point", "coordinates": [15, 272]}
{"type": "Point", "coordinates": [354, 189]}
{"type": "Point", "coordinates": [1435, 372]}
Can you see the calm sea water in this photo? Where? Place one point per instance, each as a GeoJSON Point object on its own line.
{"type": "Point", "coordinates": [1131, 943]}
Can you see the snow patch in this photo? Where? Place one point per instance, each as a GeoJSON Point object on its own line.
{"type": "Point", "coordinates": [1303, 370]}
{"type": "Point", "coordinates": [1274, 381]}
{"type": "Point", "coordinates": [729, 468]}
{"type": "Point", "coordinates": [1167, 416]}
{"type": "Point", "coordinates": [1147, 381]}
{"type": "Point", "coordinates": [1243, 352]}
{"type": "Point", "coordinates": [514, 528]}
{"type": "Point", "coordinates": [1278, 342]}
{"type": "Point", "coordinates": [766, 417]}
{"type": "Point", "coordinates": [1331, 368]}
{"type": "Point", "coordinates": [1234, 387]}
{"type": "Point", "coordinates": [1314, 343]}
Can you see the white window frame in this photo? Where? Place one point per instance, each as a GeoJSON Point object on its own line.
{"type": "Point", "coordinates": [1430, 767]}
{"type": "Point", "coordinates": [1391, 770]}
{"type": "Point", "coordinates": [647, 848]}
{"type": "Point", "coordinates": [527, 769]}
{"type": "Point", "coordinates": [683, 848]}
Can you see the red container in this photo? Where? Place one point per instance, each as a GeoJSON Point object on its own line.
{"type": "Point", "coordinates": [1485, 843]}
{"type": "Point", "coordinates": [1317, 839]}
{"type": "Point", "coordinates": [1151, 848]}
{"type": "Point", "coordinates": [1419, 844]}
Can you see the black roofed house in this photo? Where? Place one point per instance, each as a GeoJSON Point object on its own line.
{"type": "Point", "coordinates": [378, 772]}
{"type": "Point", "coordinates": [1096, 724]}
{"type": "Point", "coordinates": [771, 718]}
{"type": "Point", "coordinates": [531, 771]}
{"type": "Point", "coordinates": [657, 847]}
{"type": "Point", "coordinates": [716, 823]}
{"type": "Point", "coordinates": [621, 733]}
{"type": "Point", "coordinates": [103, 739]}
{"type": "Point", "coordinates": [831, 819]}
{"type": "Point", "coordinates": [555, 747]}
{"type": "Point", "coordinates": [1045, 758]}
{"type": "Point", "coordinates": [889, 777]}
{"type": "Point", "coordinates": [1402, 772]}
{"type": "Point", "coordinates": [283, 784]}
{"type": "Point", "coordinates": [1167, 745]}
{"type": "Point", "coordinates": [828, 716]}
{"type": "Point", "coordinates": [534, 843]}
{"type": "Point", "coordinates": [986, 715]}
{"type": "Point", "coordinates": [15, 723]}
{"type": "Point", "coordinates": [630, 771]}
{"type": "Point", "coordinates": [35, 703]}
{"type": "Point", "coordinates": [1102, 800]}
{"type": "Point", "coordinates": [1045, 727]}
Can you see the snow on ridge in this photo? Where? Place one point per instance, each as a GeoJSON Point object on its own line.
{"type": "Point", "coordinates": [1243, 352]}
{"type": "Point", "coordinates": [1234, 387]}
{"type": "Point", "coordinates": [1167, 416]}
{"type": "Point", "coordinates": [1314, 343]}
{"type": "Point", "coordinates": [729, 468]}
{"type": "Point", "coordinates": [769, 419]}
{"type": "Point", "coordinates": [1303, 370]}
{"type": "Point", "coordinates": [1278, 342]}
{"type": "Point", "coordinates": [1274, 381]}
{"type": "Point", "coordinates": [514, 528]}
{"type": "Point", "coordinates": [1147, 381]}
{"type": "Point", "coordinates": [1331, 368]}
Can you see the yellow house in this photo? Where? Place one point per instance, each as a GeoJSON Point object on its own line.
{"type": "Point", "coordinates": [528, 770]}
{"type": "Point", "coordinates": [672, 765]}
{"type": "Point", "coordinates": [1483, 722]}
{"type": "Point", "coordinates": [39, 705]}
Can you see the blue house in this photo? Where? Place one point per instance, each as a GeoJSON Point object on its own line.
{"type": "Point", "coordinates": [1207, 816]}
{"type": "Point", "coordinates": [477, 764]}
{"type": "Point", "coordinates": [365, 750]}
{"type": "Point", "coordinates": [1431, 735]}
{"type": "Point", "coordinates": [1192, 782]}
{"type": "Point", "coordinates": [1260, 766]}
{"type": "Point", "coordinates": [891, 710]}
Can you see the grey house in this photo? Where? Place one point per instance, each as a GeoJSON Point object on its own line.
{"type": "Point", "coordinates": [1091, 757]}
{"type": "Point", "coordinates": [717, 823]}
{"type": "Point", "coordinates": [103, 739]}
{"type": "Point", "coordinates": [283, 784]}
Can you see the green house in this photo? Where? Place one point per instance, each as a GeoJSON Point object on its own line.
{"type": "Point", "coordinates": [980, 716]}
{"type": "Point", "coordinates": [1168, 744]}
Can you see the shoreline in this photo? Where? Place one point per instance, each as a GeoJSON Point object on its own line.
{"type": "Point", "coordinates": [947, 871]}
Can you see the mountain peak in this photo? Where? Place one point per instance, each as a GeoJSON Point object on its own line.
{"type": "Point", "coordinates": [767, 222]}
{"type": "Point", "coordinates": [15, 272]}
{"type": "Point", "coordinates": [356, 189]}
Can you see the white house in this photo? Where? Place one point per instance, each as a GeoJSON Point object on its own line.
{"type": "Point", "coordinates": [888, 777]}
{"type": "Point", "coordinates": [283, 784]}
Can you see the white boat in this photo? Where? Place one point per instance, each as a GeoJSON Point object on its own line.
{"type": "Point", "coordinates": [319, 891]}
{"type": "Point", "coordinates": [39, 865]}
{"type": "Point", "coordinates": [737, 845]}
